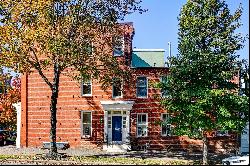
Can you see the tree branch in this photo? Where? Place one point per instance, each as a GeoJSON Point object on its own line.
{"type": "Point", "coordinates": [37, 66]}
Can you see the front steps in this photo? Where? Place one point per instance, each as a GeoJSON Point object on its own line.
{"type": "Point", "coordinates": [116, 148]}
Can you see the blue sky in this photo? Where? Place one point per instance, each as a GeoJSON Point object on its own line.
{"type": "Point", "coordinates": [159, 25]}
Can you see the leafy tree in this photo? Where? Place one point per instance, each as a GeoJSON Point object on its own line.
{"type": "Point", "coordinates": [202, 96]}
{"type": "Point", "coordinates": [70, 37]}
{"type": "Point", "coordinates": [10, 93]}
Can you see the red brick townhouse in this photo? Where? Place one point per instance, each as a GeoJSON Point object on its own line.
{"type": "Point", "coordinates": [125, 115]}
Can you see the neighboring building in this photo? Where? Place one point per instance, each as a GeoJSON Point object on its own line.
{"type": "Point", "coordinates": [124, 116]}
{"type": "Point", "coordinates": [244, 91]}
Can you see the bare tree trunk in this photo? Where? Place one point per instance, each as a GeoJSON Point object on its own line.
{"type": "Point", "coordinates": [205, 145]}
{"type": "Point", "coordinates": [53, 110]}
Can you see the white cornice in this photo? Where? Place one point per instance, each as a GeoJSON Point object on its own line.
{"type": "Point", "coordinates": [140, 49]}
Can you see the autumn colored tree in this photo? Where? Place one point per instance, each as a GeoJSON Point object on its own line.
{"type": "Point", "coordinates": [63, 34]}
{"type": "Point", "coordinates": [10, 93]}
{"type": "Point", "coordinates": [202, 94]}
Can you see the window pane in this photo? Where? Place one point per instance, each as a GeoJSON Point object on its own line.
{"type": "Point", "coordinates": [117, 86]}
{"type": "Point", "coordinates": [142, 131]}
{"type": "Point", "coordinates": [164, 130]}
{"type": "Point", "coordinates": [144, 119]}
{"type": "Point", "coordinates": [141, 85]}
{"type": "Point", "coordinates": [141, 81]}
{"type": "Point", "coordinates": [164, 117]}
{"type": "Point", "coordinates": [86, 123]}
{"type": "Point", "coordinates": [116, 112]}
{"type": "Point", "coordinates": [164, 79]}
{"type": "Point", "coordinates": [86, 129]}
{"type": "Point", "coordinates": [168, 130]}
{"type": "Point", "coordinates": [86, 117]}
{"type": "Point", "coordinates": [118, 45]}
{"type": "Point", "coordinates": [139, 131]}
{"type": "Point", "coordinates": [86, 89]}
{"type": "Point", "coordinates": [164, 91]}
{"type": "Point", "coordinates": [141, 92]}
{"type": "Point", "coordinates": [139, 119]}
{"type": "Point", "coordinates": [117, 52]}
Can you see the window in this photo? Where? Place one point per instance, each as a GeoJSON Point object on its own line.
{"type": "Point", "coordinates": [118, 46]}
{"type": "Point", "coordinates": [164, 91]}
{"type": "Point", "coordinates": [142, 87]}
{"type": "Point", "coordinates": [1, 89]}
{"type": "Point", "coordinates": [86, 88]}
{"type": "Point", "coordinates": [86, 124]}
{"type": "Point", "coordinates": [142, 125]}
{"type": "Point", "coordinates": [117, 88]}
{"type": "Point", "coordinates": [90, 49]}
{"type": "Point", "coordinates": [221, 133]}
{"type": "Point", "coordinates": [165, 127]}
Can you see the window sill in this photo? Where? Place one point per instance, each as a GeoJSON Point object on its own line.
{"type": "Point", "coordinates": [90, 95]}
{"type": "Point", "coordinates": [166, 135]}
{"type": "Point", "coordinates": [85, 137]}
{"type": "Point", "coordinates": [116, 97]}
{"type": "Point", "coordinates": [141, 136]}
{"type": "Point", "coordinates": [141, 97]}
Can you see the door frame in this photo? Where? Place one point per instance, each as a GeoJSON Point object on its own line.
{"type": "Point", "coordinates": [112, 129]}
{"type": "Point", "coordinates": [108, 125]}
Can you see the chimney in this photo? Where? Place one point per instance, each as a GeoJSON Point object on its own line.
{"type": "Point", "coordinates": [167, 63]}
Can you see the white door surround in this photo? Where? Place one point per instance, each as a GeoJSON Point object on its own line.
{"type": "Point", "coordinates": [116, 108]}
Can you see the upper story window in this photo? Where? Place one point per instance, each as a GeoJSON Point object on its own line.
{"type": "Point", "coordinates": [86, 88]}
{"type": "Point", "coordinates": [5, 85]}
{"type": "Point", "coordinates": [222, 133]}
{"type": "Point", "coordinates": [117, 88]}
{"type": "Point", "coordinates": [142, 125]}
{"type": "Point", "coordinates": [164, 91]}
{"type": "Point", "coordinates": [2, 89]}
{"type": "Point", "coordinates": [165, 127]}
{"type": "Point", "coordinates": [119, 45]}
{"type": "Point", "coordinates": [86, 118]}
{"type": "Point", "coordinates": [142, 87]}
{"type": "Point", "coordinates": [90, 48]}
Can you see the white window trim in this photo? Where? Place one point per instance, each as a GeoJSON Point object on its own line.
{"type": "Point", "coordinates": [82, 135]}
{"type": "Point", "coordinates": [145, 124]}
{"type": "Point", "coordinates": [136, 88]}
{"type": "Point", "coordinates": [86, 95]}
{"type": "Point", "coordinates": [165, 135]}
{"type": "Point", "coordinates": [116, 97]}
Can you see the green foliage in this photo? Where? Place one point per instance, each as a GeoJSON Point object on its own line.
{"type": "Point", "coordinates": [57, 35]}
{"type": "Point", "coordinates": [202, 96]}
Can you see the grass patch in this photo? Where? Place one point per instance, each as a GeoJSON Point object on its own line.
{"type": "Point", "coordinates": [104, 160]}
{"type": "Point", "coordinates": [120, 160]}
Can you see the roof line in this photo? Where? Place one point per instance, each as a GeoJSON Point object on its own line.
{"type": "Point", "coordinates": [139, 49]}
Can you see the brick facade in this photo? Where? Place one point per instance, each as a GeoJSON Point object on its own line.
{"type": "Point", "coordinates": [35, 123]}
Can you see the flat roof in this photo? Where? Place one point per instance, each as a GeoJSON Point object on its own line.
{"type": "Point", "coordinates": [140, 49]}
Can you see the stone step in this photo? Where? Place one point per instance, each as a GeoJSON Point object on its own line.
{"type": "Point", "coordinates": [116, 148]}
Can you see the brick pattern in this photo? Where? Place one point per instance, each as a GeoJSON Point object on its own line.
{"type": "Point", "coordinates": [36, 114]}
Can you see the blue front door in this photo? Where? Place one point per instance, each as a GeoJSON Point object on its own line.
{"type": "Point", "coordinates": [116, 128]}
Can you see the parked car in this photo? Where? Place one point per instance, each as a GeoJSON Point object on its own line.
{"type": "Point", "coordinates": [236, 160]}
